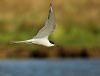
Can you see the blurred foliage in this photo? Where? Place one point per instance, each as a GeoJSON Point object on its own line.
{"type": "Point", "coordinates": [78, 21]}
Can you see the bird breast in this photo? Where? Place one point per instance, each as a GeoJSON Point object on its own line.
{"type": "Point", "coordinates": [43, 41]}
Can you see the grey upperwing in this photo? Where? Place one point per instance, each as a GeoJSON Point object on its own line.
{"type": "Point", "coordinates": [49, 25]}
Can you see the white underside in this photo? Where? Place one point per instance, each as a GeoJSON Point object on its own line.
{"type": "Point", "coordinates": [42, 41]}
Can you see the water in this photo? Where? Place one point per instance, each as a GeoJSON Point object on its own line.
{"type": "Point", "coordinates": [68, 67]}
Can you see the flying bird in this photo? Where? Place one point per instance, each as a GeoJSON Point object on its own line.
{"type": "Point", "coordinates": [41, 38]}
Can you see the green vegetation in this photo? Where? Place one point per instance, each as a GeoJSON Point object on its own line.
{"type": "Point", "coordinates": [75, 25]}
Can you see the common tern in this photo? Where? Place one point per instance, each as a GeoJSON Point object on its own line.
{"type": "Point", "coordinates": [42, 36]}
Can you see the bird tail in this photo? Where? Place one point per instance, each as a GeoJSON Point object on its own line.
{"type": "Point", "coordinates": [25, 41]}
{"type": "Point", "coordinates": [19, 41]}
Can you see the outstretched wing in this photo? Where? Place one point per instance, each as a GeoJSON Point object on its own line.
{"type": "Point", "coordinates": [49, 25]}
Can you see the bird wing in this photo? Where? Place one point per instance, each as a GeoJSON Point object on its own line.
{"type": "Point", "coordinates": [49, 25]}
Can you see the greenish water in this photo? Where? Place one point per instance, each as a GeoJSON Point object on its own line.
{"type": "Point", "coordinates": [35, 67]}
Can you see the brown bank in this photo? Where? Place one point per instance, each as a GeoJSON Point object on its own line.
{"type": "Point", "coordinates": [50, 53]}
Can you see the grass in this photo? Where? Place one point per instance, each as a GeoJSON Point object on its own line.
{"type": "Point", "coordinates": [70, 35]}
{"type": "Point", "coordinates": [78, 36]}
{"type": "Point", "coordinates": [75, 26]}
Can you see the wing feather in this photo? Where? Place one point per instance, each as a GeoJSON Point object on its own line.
{"type": "Point", "coordinates": [49, 25]}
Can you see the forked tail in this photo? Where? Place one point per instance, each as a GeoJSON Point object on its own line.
{"type": "Point", "coordinates": [26, 41]}
{"type": "Point", "coordinates": [19, 41]}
